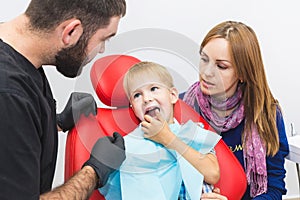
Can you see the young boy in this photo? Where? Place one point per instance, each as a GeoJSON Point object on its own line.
{"type": "Point", "coordinates": [164, 160]}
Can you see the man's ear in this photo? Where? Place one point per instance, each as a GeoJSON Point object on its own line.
{"type": "Point", "coordinates": [71, 32]}
{"type": "Point", "coordinates": [174, 95]}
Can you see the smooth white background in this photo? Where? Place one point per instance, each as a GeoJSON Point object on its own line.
{"type": "Point", "coordinates": [276, 24]}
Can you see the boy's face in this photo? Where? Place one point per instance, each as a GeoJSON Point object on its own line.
{"type": "Point", "coordinates": [148, 95]}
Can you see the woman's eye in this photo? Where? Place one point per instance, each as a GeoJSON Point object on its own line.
{"type": "Point", "coordinates": [222, 66]}
{"type": "Point", "coordinates": [204, 59]}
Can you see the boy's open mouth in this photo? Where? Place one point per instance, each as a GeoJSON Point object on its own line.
{"type": "Point", "coordinates": [152, 112]}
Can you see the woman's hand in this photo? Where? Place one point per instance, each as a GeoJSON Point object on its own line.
{"type": "Point", "coordinates": [215, 195]}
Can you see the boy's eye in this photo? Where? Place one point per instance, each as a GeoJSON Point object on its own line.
{"type": "Point", "coordinates": [154, 88]}
{"type": "Point", "coordinates": [136, 95]}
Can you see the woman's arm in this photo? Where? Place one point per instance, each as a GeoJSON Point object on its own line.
{"type": "Point", "coordinates": [275, 168]}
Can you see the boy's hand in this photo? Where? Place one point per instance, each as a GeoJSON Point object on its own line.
{"type": "Point", "coordinates": [157, 129]}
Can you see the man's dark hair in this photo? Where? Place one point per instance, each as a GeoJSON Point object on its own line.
{"type": "Point", "coordinates": [45, 15]}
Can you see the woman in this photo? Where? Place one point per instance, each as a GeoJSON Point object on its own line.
{"type": "Point", "coordinates": [233, 95]}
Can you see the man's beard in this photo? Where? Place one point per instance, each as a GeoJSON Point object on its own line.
{"type": "Point", "coordinates": [70, 61]}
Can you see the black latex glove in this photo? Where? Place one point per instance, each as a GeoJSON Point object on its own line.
{"type": "Point", "coordinates": [107, 155]}
{"type": "Point", "coordinates": [78, 103]}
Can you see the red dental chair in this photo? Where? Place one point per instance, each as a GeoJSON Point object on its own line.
{"type": "Point", "coordinates": [107, 79]}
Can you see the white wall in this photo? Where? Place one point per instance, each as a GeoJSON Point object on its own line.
{"type": "Point", "coordinates": [169, 31]}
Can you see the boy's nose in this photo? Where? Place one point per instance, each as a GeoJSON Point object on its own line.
{"type": "Point", "coordinates": [148, 97]}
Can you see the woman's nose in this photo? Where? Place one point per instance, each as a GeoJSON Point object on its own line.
{"type": "Point", "coordinates": [208, 69]}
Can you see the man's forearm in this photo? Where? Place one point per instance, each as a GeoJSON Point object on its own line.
{"type": "Point", "coordinates": [79, 187]}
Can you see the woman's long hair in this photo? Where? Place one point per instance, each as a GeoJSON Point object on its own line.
{"type": "Point", "coordinates": [260, 105]}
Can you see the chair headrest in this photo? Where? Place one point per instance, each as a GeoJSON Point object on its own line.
{"type": "Point", "coordinates": [107, 75]}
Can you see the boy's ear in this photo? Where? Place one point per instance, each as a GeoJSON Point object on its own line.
{"type": "Point", "coordinates": [71, 32]}
{"type": "Point", "coordinates": [174, 95]}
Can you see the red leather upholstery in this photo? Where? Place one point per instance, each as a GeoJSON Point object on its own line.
{"type": "Point", "coordinates": [107, 78]}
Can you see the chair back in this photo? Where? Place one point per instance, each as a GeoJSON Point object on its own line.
{"type": "Point", "coordinates": [107, 79]}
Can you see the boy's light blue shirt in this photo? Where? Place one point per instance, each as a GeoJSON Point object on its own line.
{"type": "Point", "coordinates": [151, 171]}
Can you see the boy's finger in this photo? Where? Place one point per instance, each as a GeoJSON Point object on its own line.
{"type": "Point", "coordinates": [159, 116]}
{"type": "Point", "coordinates": [148, 118]}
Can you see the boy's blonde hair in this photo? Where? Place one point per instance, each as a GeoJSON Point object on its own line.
{"type": "Point", "coordinates": [151, 69]}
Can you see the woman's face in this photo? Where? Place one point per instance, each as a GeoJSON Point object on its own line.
{"type": "Point", "coordinates": [217, 75]}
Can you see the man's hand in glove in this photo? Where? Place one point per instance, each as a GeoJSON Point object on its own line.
{"type": "Point", "coordinates": [78, 103]}
{"type": "Point", "coordinates": [107, 155]}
